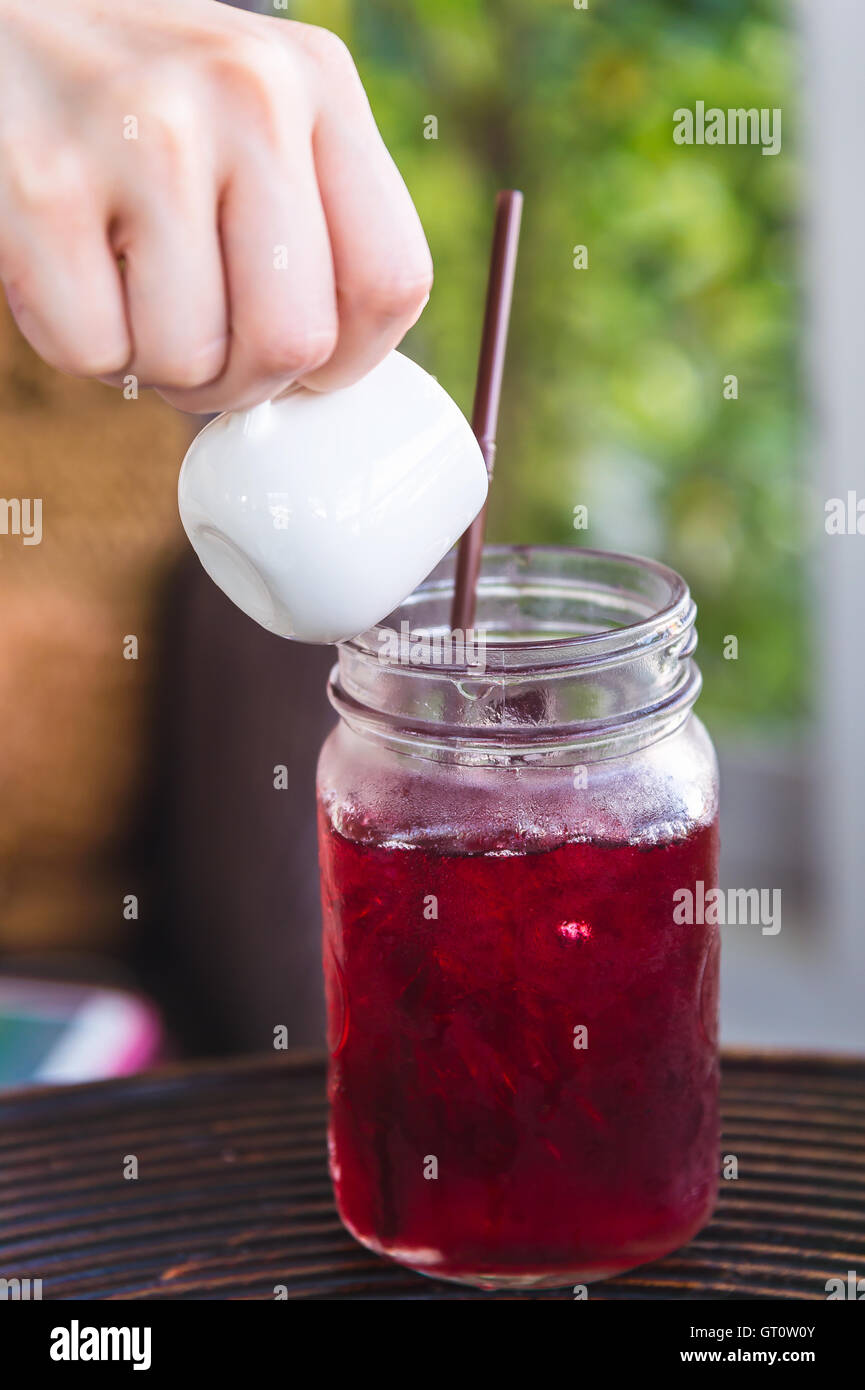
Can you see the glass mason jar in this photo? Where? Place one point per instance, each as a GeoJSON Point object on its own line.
{"type": "Point", "coordinates": [522, 1022]}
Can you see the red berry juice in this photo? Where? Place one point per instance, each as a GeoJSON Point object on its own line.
{"type": "Point", "coordinates": [523, 1075]}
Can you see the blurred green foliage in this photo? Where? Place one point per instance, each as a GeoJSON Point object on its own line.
{"type": "Point", "coordinates": [614, 382]}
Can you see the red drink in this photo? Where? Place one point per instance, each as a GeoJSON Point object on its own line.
{"type": "Point", "coordinates": [524, 1070]}
{"type": "Point", "coordinates": [453, 1039]}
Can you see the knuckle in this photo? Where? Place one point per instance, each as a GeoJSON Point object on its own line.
{"type": "Point", "coordinates": [166, 132]}
{"type": "Point", "coordinates": [186, 375]}
{"type": "Point", "coordinates": [395, 294]}
{"type": "Point", "coordinates": [299, 350]}
{"type": "Point", "coordinates": [90, 361]}
{"type": "Point", "coordinates": [45, 181]}
{"type": "Point", "coordinates": [250, 55]}
{"type": "Point", "coordinates": [168, 135]}
{"type": "Point", "coordinates": [328, 49]}
{"type": "Point", "coordinates": [256, 78]}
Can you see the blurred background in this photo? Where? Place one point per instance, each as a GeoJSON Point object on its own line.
{"type": "Point", "coordinates": [143, 845]}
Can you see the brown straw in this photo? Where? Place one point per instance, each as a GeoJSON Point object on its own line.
{"type": "Point", "coordinates": [485, 413]}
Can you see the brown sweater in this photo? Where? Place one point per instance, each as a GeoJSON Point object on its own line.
{"type": "Point", "coordinates": [73, 711]}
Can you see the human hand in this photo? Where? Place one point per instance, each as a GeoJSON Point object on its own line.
{"type": "Point", "coordinates": [199, 197]}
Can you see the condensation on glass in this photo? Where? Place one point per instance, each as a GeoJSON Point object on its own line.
{"type": "Point", "coordinates": [522, 1028]}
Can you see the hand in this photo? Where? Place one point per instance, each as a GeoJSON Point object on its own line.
{"type": "Point", "coordinates": [199, 197]}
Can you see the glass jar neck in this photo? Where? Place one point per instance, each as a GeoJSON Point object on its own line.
{"type": "Point", "coordinates": [576, 655]}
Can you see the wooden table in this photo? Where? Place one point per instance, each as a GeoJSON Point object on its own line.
{"type": "Point", "coordinates": [232, 1195]}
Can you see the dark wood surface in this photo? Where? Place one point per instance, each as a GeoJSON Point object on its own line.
{"type": "Point", "coordinates": [232, 1195]}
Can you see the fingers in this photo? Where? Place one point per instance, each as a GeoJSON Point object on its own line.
{"type": "Point", "coordinates": [265, 232]}
{"type": "Point", "coordinates": [175, 291]}
{"type": "Point", "coordinates": [279, 273]}
{"type": "Point", "coordinates": [382, 264]}
{"type": "Point", "coordinates": [60, 273]}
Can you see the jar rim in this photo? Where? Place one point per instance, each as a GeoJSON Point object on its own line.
{"type": "Point", "coordinates": [621, 676]}
{"type": "Point", "coordinates": [670, 612]}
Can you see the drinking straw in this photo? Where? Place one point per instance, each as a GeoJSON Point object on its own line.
{"type": "Point", "coordinates": [488, 387]}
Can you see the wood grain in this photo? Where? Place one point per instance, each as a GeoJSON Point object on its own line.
{"type": "Point", "coordinates": [233, 1196]}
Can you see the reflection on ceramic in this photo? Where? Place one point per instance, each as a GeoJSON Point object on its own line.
{"type": "Point", "coordinates": [319, 513]}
